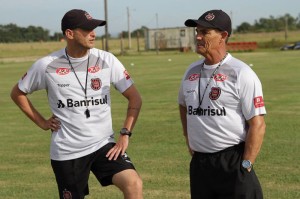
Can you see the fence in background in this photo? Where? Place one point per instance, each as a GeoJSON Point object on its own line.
{"type": "Point", "coordinates": [241, 46]}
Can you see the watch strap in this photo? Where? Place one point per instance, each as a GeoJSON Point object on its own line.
{"type": "Point", "coordinates": [125, 131]}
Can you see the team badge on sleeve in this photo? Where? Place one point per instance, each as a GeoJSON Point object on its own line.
{"type": "Point", "coordinates": [127, 76]}
{"type": "Point", "coordinates": [258, 102]}
{"type": "Point", "coordinates": [96, 84]}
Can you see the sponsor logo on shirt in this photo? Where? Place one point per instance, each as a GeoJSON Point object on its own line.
{"type": "Point", "coordinates": [258, 102]}
{"type": "Point", "coordinates": [94, 69]}
{"type": "Point", "coordinates": [63, 85]}
{"type": "Point", "coordinates": [206, 112]}
{"type": "Point", "coordinates": [220, 77]}
{"type": "Point", "coordinates": [82, 103]}
{"type": "Point", "coordinates": [194, 77]}
{"type": "Point", "coordinates": [191, 91]}
{"type": "Point", "coordinates": [62, 71]}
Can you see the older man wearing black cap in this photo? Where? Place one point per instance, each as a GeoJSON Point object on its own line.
{"type": "Point", "coordinates": [222, 114]}
{"type": "Point", "coordinates": [77, 80]}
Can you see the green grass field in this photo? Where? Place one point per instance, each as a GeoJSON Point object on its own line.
{"type": "Point", "coordinates": [157, 146]}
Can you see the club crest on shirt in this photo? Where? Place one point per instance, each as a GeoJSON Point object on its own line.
{"type": "Point", "coordinates": [96, 83]}
{"type": "Point", "coordinates": [214, 93]}
{"type": "Point", "coordinates": [94, 69]}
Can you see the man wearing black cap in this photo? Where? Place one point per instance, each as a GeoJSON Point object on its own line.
{"type": "Point", "coordinates": [222, 114]}
{"type": "Point", "coordinates": [77, 80]}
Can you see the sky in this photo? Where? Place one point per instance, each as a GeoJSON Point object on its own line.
{"type": "Point", "coordinates": [152, 14]}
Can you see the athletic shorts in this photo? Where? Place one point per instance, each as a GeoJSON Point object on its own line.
{"type": "Point", "coordinates": [72, 175]}
{"type": "Point", "coordinates": [221, 176]}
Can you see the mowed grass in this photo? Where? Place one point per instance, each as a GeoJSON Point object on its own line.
{"type": "Point", "coordinates": [157, 146]}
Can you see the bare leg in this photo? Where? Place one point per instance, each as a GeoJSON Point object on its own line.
{"type": "Point", "coordinates": [129, 182]}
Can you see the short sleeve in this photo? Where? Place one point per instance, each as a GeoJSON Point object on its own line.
{"type": "Point", "coordinates": [251, 94]}
{"type": "Point", "coordinates": [120, 77]}
{"type": "Point", "coordinates": [34, 78]}
{"type": "Point", "coordinates": [181, 99]}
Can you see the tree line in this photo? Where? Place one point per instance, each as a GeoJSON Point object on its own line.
{"type": "Point", "coordinates": [271, 24]}
{"type": "Point", "coordinates": [13, 33]}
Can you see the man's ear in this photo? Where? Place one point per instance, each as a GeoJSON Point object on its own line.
{"type": "Point", "coordinates": [224, 35]}
{"type": "Point", "coordinates": [69, 34]}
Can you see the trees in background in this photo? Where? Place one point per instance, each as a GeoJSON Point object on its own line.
{"type": "Point", "coordinates": [13, 33]}
{"type": "Point", "coordinates": [271, 24]}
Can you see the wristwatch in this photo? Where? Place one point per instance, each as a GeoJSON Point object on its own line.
{"type": "Point", "coordinates": [125, 131]}
{"type": "Point", "coordinates": [246, 164]}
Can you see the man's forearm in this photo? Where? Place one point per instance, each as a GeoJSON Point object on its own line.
{"type": "Point", "coordinates": [254, 138]}
{"type": "Point", "coordinates": [26, 106]}
{"type": "Point", "coordinates": [182, 112]}
{"type": "Point", "coordinates": [132, 115]}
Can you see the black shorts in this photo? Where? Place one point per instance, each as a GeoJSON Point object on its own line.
{"type": "Point", "coordinates": [72, 175]}
{"type": "Point", "coordinates": [221, 176]}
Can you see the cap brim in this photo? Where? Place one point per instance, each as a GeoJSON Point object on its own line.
{"type": "Point", "coordinates": [92, 24]}
{"type": "Point", "coordinates": [196, 22]}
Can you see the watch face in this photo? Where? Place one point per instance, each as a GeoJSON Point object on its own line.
{"type": "Point", "coordinates": [124, 131]}
{"type": "Point", "coordinates": [246, 164]}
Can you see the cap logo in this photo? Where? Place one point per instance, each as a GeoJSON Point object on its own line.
{"type": "Point", "coordinates": [209, 17]}
{"type": "Point", "coordinates": [88, 16]}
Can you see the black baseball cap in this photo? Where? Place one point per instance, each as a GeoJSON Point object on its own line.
{"type": "Point", "coordinates": [79, 19]}
{"type": "Point", "coordinates": [212, 19]}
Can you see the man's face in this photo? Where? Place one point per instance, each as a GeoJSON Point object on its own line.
{"type": "Point", "coordinates": [207, 40]}
{"type": "Point", "coordinates": [84, 38]}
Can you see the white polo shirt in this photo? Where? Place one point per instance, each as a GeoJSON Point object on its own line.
{"type": "Point", "coordinates": [79, 135]}
{"type": "Point", "coordinates": [233, 96]}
